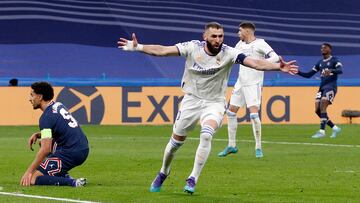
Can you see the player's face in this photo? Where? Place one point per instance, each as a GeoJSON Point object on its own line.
{"type": "Point", "coordinates": [214, 39]}
{"type": "Point", "coordinates": [245, 33]}
{"type": "Point", "coordinates": [325, 50]}
{"type": "Point", "coordinates": [35, 99]}
{"type": "Point", "coordinates": [242, 33]}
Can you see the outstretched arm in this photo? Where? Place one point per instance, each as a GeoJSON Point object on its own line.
{"type": "Point", "coordinates": [273, 57]}
{"type": "Point", "coordinates": [264, 65]}
{"type": "Point", "coordinates": [308, 74]}
{"type": "Point", "coordinates": [155, 50]}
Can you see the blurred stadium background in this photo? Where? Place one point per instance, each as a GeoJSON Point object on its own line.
{"type": "Point", "coordinates": [73, 42]}
{"type": "Point", "coordinates": [72, 45]}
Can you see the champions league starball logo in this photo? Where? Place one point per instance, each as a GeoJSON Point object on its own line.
{"type": "Point", "coordinates": [84, 103]}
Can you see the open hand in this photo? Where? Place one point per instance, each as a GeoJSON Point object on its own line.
{"type": "Point", "coordinates": [289, 67]}
{"type": "Point", "coordinates": [26, 179]}
{"type": "Point", "coordinates": [128, 45]}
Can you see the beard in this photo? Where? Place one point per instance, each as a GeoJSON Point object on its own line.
{"type": "Point", "coordinates": [212, 49]}
{"type": "Point", "coordinates": [36, 106]}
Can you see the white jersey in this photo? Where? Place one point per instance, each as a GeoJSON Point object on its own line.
{"type": "Point", "coordinates": [206, 76]}
{"type": "Point", "coordinates": [257, 49]}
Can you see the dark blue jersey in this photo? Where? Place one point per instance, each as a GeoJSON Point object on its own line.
{"type": "Point", "coordinates": [65, 130]}
{"type": "Point", "coordinates": [330, 81]}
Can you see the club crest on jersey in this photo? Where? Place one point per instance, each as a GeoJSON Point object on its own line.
{"type": "Point", "coordinates": [218, 60]}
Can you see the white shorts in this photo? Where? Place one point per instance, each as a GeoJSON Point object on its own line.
{"type": "Point", "coordinates": [246, 95]}
{"type": "Point", "coordinates": [194, 109]}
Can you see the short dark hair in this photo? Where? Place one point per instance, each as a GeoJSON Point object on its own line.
{"type": "Point", "coordinates": [213, 25]}
{"type": "Point", "coordinates": [247, 24]}
{"type": "Point", "coordinates": [43, 88]}
{"type": "Point", "coordinates": [328, 45]}
{"type": "Point", "coordinates": [13, 82]}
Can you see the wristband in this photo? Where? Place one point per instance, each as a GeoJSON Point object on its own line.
{"type": "Point", "coordinates": [130, 46]}
{"type": "Point", "coordinates": [139, 47]}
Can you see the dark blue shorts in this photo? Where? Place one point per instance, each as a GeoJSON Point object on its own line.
{"type": "Point", "coordinates": [61, 161]}
{"type": "Point", "coordinates": [327, 94]}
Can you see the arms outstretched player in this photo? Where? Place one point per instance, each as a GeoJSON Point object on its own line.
{"type": "Point", "coordinates": [330, 67]}
{"type": "Point", "coordinates": [207, 69]}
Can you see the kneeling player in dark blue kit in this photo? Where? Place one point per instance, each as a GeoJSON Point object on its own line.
{"type": "Point", "coordinates": [329, 67]}
{"type": "Point", "coordinates": [63, 145]}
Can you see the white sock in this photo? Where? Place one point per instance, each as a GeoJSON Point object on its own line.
{"type": "Point", "coordinates": [256, 125]}
{"type": "Point", "coordinates": [335, 127]}
{"type": "Point", "coordinates": [322, 131]}
{"type": "Point", "coordinates": [203, 150]}
{"type": "Point", "coordinates": [172, 146]}
{"type": "Point", "coordinates": [232, 127]}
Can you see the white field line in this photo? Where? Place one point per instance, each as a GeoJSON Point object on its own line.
{"type": "Point", "coordinates": [44, 197]}
{"type": "Point", "coordinates": [348, 171]}
{"type": "Point", "coordinates": [292, 143]}
{"type": "Point", "coordinates": [225, 140]}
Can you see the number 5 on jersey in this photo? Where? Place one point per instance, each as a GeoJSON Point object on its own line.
{"type": "Point", "coordinates": [66, 115]}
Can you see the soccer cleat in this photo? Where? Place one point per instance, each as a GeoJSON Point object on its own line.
{"type": "Point", "coordinates": [157, 183]}
{"type": "Point", "coordinates": [80, 182]}
{"type": "Point", "coordinates": [190, 185]}
{"type": "Point", "coordinates": [258, 153]}
{"type": "Point", "coordinates": [335, 132]}
{"type": "Point", "coordinates": [228, 150]}
{"type": "Point", "coordinates": [318, 134]}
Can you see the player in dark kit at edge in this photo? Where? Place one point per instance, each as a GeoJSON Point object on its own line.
{"type": "Point", "coordinates": [329, 67]}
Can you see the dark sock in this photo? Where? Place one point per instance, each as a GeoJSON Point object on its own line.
{"type": "Point", "coordinates": [54, 180]}
{"type": "Point", "coordinates": [323, 120]}
{"type": "Point", "coordinates": [330, 123]}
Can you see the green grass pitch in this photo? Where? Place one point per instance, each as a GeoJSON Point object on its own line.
{"type": "Point", "coordinates": [124, 160]}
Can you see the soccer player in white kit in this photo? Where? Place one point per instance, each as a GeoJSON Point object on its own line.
{"type": "Point", "coordinates": [248, 87]}
{"type": "Point", "coordinates": [207, 68]}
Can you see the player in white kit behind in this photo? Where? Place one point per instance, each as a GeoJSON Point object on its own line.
{"type": "Point", "coordinates": [207, 69]}
{"type": "Point", "coordinates": [248, 87]}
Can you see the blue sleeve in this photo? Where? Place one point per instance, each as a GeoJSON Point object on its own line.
{"type": "Point", "coordinates": [337, 67]}
{"type": "Point", "coordinates": [240, 59]}
{"type": "Point", "coordinates": [46, 121]}
{"type": "Point", "coordinates": [317, 66]}
{"type": "Point", "coordinates": [308, 74]}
